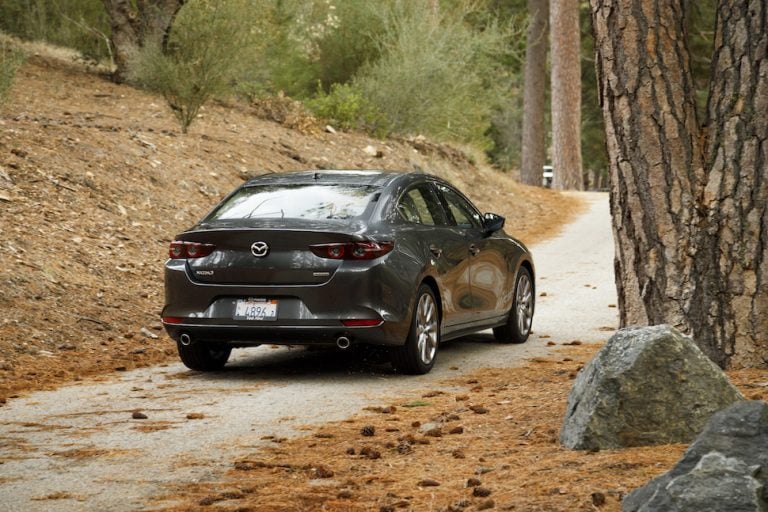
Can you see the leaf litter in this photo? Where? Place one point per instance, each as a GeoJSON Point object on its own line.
{"type": "Point", "coordinates": [509, 458]}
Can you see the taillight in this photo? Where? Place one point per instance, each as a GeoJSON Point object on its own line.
{"type": "Point", "coordinates": [182, 250]}
{"type": "Point", "coordinates": [352, 250]}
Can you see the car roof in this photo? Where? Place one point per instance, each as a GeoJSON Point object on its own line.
{"type": "Point", "coordinates": [351, 177]}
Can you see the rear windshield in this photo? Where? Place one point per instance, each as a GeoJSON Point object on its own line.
{"type": "Point", "coordinates": [296, 202]}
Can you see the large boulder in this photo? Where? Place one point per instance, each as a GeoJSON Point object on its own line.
{"type": "Point", "coordinates": [726, 468]}
{"type": "Point", "coordinates": [646, 386]}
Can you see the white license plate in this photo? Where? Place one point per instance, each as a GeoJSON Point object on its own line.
{"type": "Point", "coordinates": [255, 309]}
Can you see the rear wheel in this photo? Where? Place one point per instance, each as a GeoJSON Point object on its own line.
{"type": "Point", "coordinates": [204, 357]}
{"type": "Point", "coordinates": [518, 325]}
{"type": "Point", "coordinates": [417, 356]}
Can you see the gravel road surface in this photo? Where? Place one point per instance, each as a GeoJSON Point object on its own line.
{"type": "Point", "coordinates": [79, 447]}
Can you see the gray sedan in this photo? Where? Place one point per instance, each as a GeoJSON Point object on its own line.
{"type": "Point", "coordinates": [402, 260]}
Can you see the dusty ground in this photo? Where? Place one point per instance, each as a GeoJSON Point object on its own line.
{"type": "Point", "coordinates": [494, 447]}
{"type": "Point", "coordinates": [95, 180]}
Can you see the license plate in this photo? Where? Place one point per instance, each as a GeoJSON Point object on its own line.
{"type": "Point", "coordinates": [255, 309]}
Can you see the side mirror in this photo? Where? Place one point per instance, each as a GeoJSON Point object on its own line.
{"type": "Point", "coordinates": [492, 222]}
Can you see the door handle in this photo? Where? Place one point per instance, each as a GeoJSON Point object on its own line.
{"type": "Point", "coordinates": [474, 250]}
{"type": "Point", "coordinates": [435, 250]}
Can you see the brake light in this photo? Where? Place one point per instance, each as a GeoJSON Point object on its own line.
{"type": "Point", "coordinates": [352, 250]}
{"type": "Point", "coordinates": [181, 250]}
{"type": "Point", "coordinates": [173, 320]}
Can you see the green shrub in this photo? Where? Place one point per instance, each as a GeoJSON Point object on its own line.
{"type": "Point", "coordinates": [299, 43]}
{"type": "Point", "coordinates": [10, 61]}
{"type": "Point", "coordinates": [345, 106]}
{"type": "Point", "coordinates": [350, 40]}
{"type": "Point", "coordinates": [437, 75]}
{"type": "Point", "coordinates": [201, 61]}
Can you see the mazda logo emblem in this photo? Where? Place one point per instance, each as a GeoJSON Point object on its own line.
{"type": "Point", "coordinates": [259, 249]}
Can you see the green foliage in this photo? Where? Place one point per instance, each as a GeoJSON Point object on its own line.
{"type": "Point", "coordinates": [349, 42]}
{"type": "Point", "coordinates": [299, 43]}
{"type": "Point", "coordinates": [79, 24]}
{"type": "Point", "coordinates": [701, 36]}
{"type": "Point", "coordinates": [506, 130]}
{"type": "Point", "coordinates": [594, 155]}
{"type": "Point", "coordinates": [10, 62]}
{"type": "Point", "coordinates": [201, 61]}
{"type": "Point", "coordinates": [436, 74]}
{"type": "Point", "coordinates": [345, 106]}
{"type": "Point", "coordinates": [388, 66]}
{"type": "Point", "coordinates": [276, 59]}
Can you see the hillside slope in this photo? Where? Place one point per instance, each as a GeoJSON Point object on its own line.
{"type": "Point", "coordinates": [95, 180]}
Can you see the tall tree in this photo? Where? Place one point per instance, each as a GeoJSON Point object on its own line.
{"type": "Point", "coordinates": [566, 93]}
{"type": "Point", "coordinates": [136, 23]}
{"type": "Point", "coordinates": [534, 132]}
{"type": "Point", "coordinates": [689, 203]}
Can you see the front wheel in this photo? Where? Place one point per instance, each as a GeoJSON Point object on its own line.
{"type": "Point", "coordinates": [518, 325]}
{"type": "Point", "coordinates": [417, 356]}
{"type": "Point", "coordinates": [204, 357]}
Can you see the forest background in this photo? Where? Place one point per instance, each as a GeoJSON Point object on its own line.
{"type": "Point", "coordinates": [451, 70]}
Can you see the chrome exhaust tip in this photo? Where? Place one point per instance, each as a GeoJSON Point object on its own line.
{"type": "Point", "coordinates": [343, 342]}
{"type": "Point", "coordinates": [185, 339]}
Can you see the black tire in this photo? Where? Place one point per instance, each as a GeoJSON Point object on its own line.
{"type": "Point", "coordinates": [520, 319]}
{"type": "Point", "coordinates": [417, 355]}
{"type": "Point", "coordinates": [204, 357]}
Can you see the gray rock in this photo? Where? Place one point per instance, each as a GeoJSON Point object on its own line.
{"type": "Point", "coordinates": [726, 468]}
{"type": "Point", "coordinates": [646, 386]}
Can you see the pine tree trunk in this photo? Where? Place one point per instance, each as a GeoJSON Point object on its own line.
{"type": "Point", "coordinates": [534, 131]}
{"type": "Point", "coordinates": [689, 223]}
{"type": "Point", "coordinates": [565, 43]}
{"type": "Point", "coordinates": [730, 314]}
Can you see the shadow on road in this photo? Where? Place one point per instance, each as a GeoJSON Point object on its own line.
{"type": "Point", "coordinates": [359, 362]}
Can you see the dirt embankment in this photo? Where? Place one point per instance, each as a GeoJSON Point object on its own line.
{"type": "Point", "coordinates": [95, 180]}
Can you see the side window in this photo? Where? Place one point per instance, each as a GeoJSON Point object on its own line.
{"type": "Point", "coordinates": [463, 213]}
{"type": "Point", "coordinates": [419, 206]}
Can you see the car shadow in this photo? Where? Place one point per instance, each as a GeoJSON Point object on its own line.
{"type": "Point", "coordinates": [275, 363]}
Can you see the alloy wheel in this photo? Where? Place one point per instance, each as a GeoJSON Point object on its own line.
{"type": "Point", "coordinates": [426, 328]}
{"type": "Point", "coordinates": [524, 303]}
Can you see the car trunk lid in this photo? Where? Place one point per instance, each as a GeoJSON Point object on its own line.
{"type": "Point", "coordinates": [264, 256]}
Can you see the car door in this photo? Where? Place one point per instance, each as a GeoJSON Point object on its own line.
{"type": "Point", "coordinates": [444, 246]}
{"type": "Point", "coordinates": [488, 275]}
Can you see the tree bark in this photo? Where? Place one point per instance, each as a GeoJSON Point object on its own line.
{"type": "Point", "coordinates": [125, 34]}
{"type": "Point", "coordinates": [534, 131]}
{"type": "Point", "coordinates": [156, 18]}
{"type": "Point", "coordinates": [565, 43]}
{"type": "Point", "coordinates": [688, 205]}
{"type": "Point", "coordinates": [132, 28]}
{"type": "Point", "coordinates": [731, 296]}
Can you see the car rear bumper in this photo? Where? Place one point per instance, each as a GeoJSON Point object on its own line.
{"type": "Point", "coordinates": [257, 335]}
{"type": "Point", "coordinates": [309, 314]}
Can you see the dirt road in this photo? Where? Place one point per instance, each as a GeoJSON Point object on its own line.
{"type": "Point", "coordinates": [80, 447]}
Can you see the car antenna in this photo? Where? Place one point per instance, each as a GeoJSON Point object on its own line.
{"type": "Point", "coordinates": [316, 176]}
